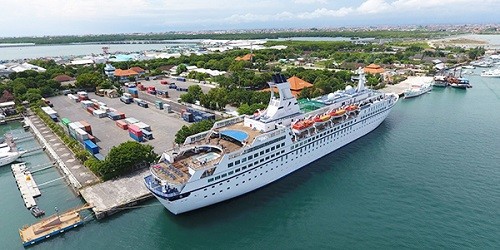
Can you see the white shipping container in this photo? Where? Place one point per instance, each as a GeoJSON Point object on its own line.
{"type": "Point", "coordinates": [99, 113]}
{"type": "Point", "coordinates": [81, 134]}
{"type": "Point", "coordinates": [131, 120]}
{"type": "Point", "coordinates": [143, 125]}
{"type": "Point", "coordinates": [79, 125]}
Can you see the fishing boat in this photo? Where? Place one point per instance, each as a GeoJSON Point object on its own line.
{"type": "Point", "coordinates": [461, 83]}
{"type": "Point", "coordinates": [491, 73]}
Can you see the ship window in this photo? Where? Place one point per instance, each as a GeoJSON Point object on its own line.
{"type": "Point", "coordinates": [230, 164]}
{"type": "Point", "coordinates": [278, 146]}
{"type": "Point", "coordinates": [283, 144]}
{"type": "Point", "coordinates": [217, 177]}
{"type": "Point", "coordinates": [250, 157]}
{"type": "Point", "coordinates": [243, 160]}
{"type": "Point", "coordinates": [251, 164]}
{"type": "Point", "coordinates": [261, 152]}
{"type": "Point", "coordinates": [267, 158]}
{"type": "Point", "coordinates": [273, 155]}
{"type": "Point", "coordinates": [211, 179]}
{"type": "Point", "coordinates": [267, 150]}
{"type": "Point", "coordinates": [224, 175]}
{"type": "Point", "coordinates": [243, 168]}
{"type": "Point", "coordinates": [273, 148]}
{"type": "Point", "coordinates": [230, 173]}
{"type": "Point", "coordinates": [261, 160]}
{"type": "Point", "coordinates": [237, 162]}
{"type": "Point", "coordinates": [237, 170]}
{"type": "Point", "coordinates": [256, 155]}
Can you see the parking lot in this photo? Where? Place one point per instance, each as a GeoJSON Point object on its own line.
{"type": "Point", "coordinates": [172, 93]}
{"type": "Point", "coordinates": [163, 125]}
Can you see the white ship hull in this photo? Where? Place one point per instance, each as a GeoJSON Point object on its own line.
{"type": "Point", "coordinates": [9, 157]}
{"type": "Point", "coordinates": [273, 169]}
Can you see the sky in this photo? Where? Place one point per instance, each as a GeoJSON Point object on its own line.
{"type": "Point", "coordinates": [82, 17]}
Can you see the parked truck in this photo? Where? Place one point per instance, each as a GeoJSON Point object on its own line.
{"type": "Point", "coordinates": [126, 98]}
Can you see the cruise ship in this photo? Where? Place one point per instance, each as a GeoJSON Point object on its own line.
{"type": "Point", "coordinates": [244, 153]}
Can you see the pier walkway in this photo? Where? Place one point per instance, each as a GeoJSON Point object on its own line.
{"type": "Point", "coordinates": [399, 88]}
{"type": "Point", "coordinates": [27, 185]}
{"type": "Point", "coordinates": [111, 196]}
{"type": "Point", "coordinates": [78, 175]}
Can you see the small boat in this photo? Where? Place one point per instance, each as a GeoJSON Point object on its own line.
{"type": "Point", "coordinates": [352, 108]}
{"type": "Point", "coordinates": [440, 81]}
{"type": "Point", "coordinates": [36, 211]}
{"type": "Point", "coordinates": [302, 125]}
{"type": "Point", "coordinates": [4, 148]}
{"type": "Point", "coordinates": [337, 113]}
{"type": "Point", "coordinates": [416, 90]}
{"type": "Point", "coordinates": [9, 157]}
{"type": "Point", "coordinates": [491, 73]}
{"type": "Point", "coordinates": [462, 83]}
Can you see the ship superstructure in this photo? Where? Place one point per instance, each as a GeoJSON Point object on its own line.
{"type": "Point", "coordinates": [244, 153]}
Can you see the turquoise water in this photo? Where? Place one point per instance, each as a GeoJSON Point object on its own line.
{"type": "Point", "coordinates": [428, 177]}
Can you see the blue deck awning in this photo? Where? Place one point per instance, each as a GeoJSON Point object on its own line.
{"type": "Point", "coordinates": [235, 134]}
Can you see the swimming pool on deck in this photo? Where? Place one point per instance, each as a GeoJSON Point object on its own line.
{"type": "Point", "coordinates": [208, 157]}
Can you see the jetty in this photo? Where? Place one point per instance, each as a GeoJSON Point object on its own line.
{"type": "Point", "coordinates": [51, 226]}
{"type": "Point", "coordinates": [399, 88]}
{"type": "Point", "coordinates": [26, 184]}
{"type": "Point", "coordinates": [114, 195]}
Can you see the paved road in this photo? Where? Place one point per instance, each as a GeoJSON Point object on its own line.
{"type": "Point", "coordinates": [84, 176]}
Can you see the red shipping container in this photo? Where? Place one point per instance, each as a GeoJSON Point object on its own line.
{"type": "Point", "coordinates": [90, 110]}
{"type": "Point", "coordinates": [135, 130]}
{"type": "Point", "coordinates": [86, 127]}
{"type": "Point", "coordinates": [122, 124]}
{"type": "Point", "coordinates": [92, 138]}
{"type": "Point", "coordinates": [122, 115]}
{"type": "Point", "coordinates": [96, 106]}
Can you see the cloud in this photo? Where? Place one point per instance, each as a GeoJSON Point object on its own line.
{"type": "Point", "coordinates": [373, 6]}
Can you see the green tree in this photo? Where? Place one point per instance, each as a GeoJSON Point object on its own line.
{"type": "Point", "coordinates": [181, 68]}
{"type": "Point", "coordinates": [88, 80]}
{"type": "Point", "coordinates": [192, 129]}
{"type": "Point", "coordinates": [123, 158]}
{"type": "Point", "coordinates": [32, 95]}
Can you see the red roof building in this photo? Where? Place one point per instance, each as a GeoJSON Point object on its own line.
{"type": "Point", "coordinates": [139, 70]}
{"type": "Point", "coordinates": [373, 69]}
{"type": "Point", "coordinates": [296, 86]}
{"type": "Point", "coordinates": [63, 78]}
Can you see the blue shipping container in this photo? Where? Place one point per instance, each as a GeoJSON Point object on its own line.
{"type": "Point", "coordinates": [135, 137]}
{"type": "Point", "coordinates": [91, 147]}
{"type": "Point", "coordinates": [54, 117]}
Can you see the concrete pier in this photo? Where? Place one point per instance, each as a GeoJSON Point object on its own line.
{"type": "Point", "coordinates": [112, 196]}
{"type": "Point", "coordinates": [27, 185]}
{"type": "Point", "coordinates": [400, 87]}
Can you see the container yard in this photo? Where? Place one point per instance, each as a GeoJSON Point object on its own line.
{"type": "Point", "coordinates": [100, 123]}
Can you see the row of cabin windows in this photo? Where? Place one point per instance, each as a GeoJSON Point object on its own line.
{"type": "Point", "coordinates": [255, 155]}
{"type": "Point", "coordinates": [249, 179]}
{"type": "Point", "coordinates": [245, 167]}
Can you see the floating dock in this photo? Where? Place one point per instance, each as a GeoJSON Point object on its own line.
{"type": "Point", "coordinates": [54, 225]}
{"type": "Point", "coordinates": [26, 184]}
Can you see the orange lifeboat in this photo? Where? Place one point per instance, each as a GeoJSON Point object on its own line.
{"type": "Point", "coordinates": [337, 113]}
{"type": "Point", "coordinates": [325, 117]}
{"type": "Point", "coordinates": [352, 107]}
{"type": "Point", "coordinates": [301, 125]}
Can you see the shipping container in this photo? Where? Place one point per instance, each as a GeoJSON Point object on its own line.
{"type": "Point", "coordinates": [92, 138]}
{"type": "Point", "coordinates": [159, 104]}
{"type": "Point", "coordinates": [167, 108]}
{"type": "Point", "coordinates": [90, 110]}
{"type": "Point", "coordinates": [186, 116]}
{"type": "Point", "coordinates": [81, 135]}
{"type": "Point", "coordinates": [147, 134]}
{"type": "Point", "coordinates": [113, 116]}
{"type": "Point", "coordinates": [135, 137]}
{"type": "Point", "coordinates": [134, 129]}
{"type": "Point", "coordinates": [143, 125]}
{"type": "Point", "coordinates": [131, 120]}
{"type": "Point", "coordinates": [126, 100]}
{"type": "Point", "coordinates": [91, 147]}
{"type": "Point", "coordinates": [122, 124]}
{"type": "Point", "coordinates": [99, 113]}
{"type": "Point", "coordinates": [54, 118]}
{"type": "Point", "coordinates": [73, 98]}
{"type": "Point", "coordinates": [86, 127]}
{"type": "Point", "coordinates": [99, 157]}
{"type": "Point", "coordinates": [65, 121]}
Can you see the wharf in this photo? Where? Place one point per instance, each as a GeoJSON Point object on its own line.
{"type": "Point", "coordinates": [399, 88]}
{"type": "Point", "coordinates": [26, 184]}
{"type": "Point", "coordinates": [55, 224]}
{"type": "Point", "coordinates": [114, 195]}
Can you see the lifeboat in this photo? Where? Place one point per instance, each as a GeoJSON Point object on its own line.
{"type": "Point", "coordinates": [325, 117]}
{"type": "Point", "coordinates": [352, 108]}
{"type": "Point", "coordinates": [301, 125]}
{"type": "Point", "coordinates": [337, 113]}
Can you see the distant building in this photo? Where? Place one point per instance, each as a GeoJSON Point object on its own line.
{"type": "Point", "coordinates": [247, 57]}
{"type": "Point", "coordinates": [63, 78]}
{"type": "Point", "coordinates": [124, 75]}
{"type": "Point", "coordinates": [139, 70]}
{"type": "Point", "coordinates": [373, 69]}
{"type": "Point", "coordinates": [20, 67]}
{"type": "Point", "coordinates": [296, 86]}
{"type": "Point", "coordinates": [109, 70]}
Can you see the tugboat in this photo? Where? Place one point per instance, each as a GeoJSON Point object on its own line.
{"type": "Point", "coordinates": [461, 83]}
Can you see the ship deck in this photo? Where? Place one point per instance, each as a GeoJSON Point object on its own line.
{"type": "Point", "coordinates": [178, 172]}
